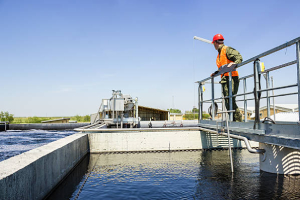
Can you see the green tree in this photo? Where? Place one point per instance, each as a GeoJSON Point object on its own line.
{"type": "Point", "coordinates": [78, 118]}
{"type": "Point", "coordinates": [86, 118]}
{"type": "Point", "coordinates": [195, 110]}
{"type": "Point", "coordinates": [2, 116]}
{"type": "Point", "coordinates": [5, 116]}
{"type": "Point", "coordinates": [174, 110]}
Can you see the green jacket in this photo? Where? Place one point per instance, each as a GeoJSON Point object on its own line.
{"type": "Point", "coordinates": [232, 54]}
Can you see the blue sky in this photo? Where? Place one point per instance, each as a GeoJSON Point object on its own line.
{"type": "Point", "coordinates": [60, 58]}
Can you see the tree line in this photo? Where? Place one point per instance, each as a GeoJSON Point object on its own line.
{"type": "Point", "coordinates": [5, 116]}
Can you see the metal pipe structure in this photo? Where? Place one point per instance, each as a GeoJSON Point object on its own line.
{"type": "Point", "coordinates": [248, 146]}
{"type": "Point", "coordinates": [202, 39]}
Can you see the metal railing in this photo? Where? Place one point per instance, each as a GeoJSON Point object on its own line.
{"type": "Point", "coordinates": [257, 91]}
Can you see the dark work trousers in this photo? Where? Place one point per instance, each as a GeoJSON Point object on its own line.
{"type": "Point", "coordinates": [235, 87]}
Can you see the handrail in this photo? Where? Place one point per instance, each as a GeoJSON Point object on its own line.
{"type": "Point", "coordinates": [257, 84]}
{"type": "Point", "coordinates": [285, 45]}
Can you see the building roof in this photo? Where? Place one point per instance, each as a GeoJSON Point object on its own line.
{"type": "Point", "coordinates": [153, 108]}
{"type": "Point", "coordinates": [286, 116]}
{"type": "Point", "coordinates": [285, 107]}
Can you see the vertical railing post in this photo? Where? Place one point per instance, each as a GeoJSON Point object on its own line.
{"type": "Point", "coordinates": [230, 96]}
{"type": "Point", "coordinates": [274, 111]}
{"type": "Point", "coordinates": [200, 102]}
{"type": "Point", "coordinates": [212, 99]}
{"type": "Point", "coordinates": [268, 93]}
{"type": "Point", "coordinates": [245, 100]}
{"type": "Point", "coordinates": [223, 104]}
{"type": "Point", "coordinates": [256, 91]}
{"type": "Point", "coordinates": [298, 73]}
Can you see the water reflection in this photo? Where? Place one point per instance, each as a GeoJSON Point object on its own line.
{"type": "Point", "coordinates": [72, 181]}
{"type": "Point", "coordinates": [183, 175]}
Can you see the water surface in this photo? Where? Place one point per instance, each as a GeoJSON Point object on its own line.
{"type": "Point", "coordinates": [177, 175]}
{"type": "Point", "coordinates": [13, 143]}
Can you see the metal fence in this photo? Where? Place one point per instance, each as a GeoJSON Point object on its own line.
{"type": "Point", "coordinates": [256, 72]}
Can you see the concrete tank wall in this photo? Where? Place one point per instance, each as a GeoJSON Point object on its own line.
{"type": "Point", "coordinates": [158, 141]}
{"type": "Point", "coordinates": [33, 174]}
{"type": "Point", "coordinates": [280, 160]}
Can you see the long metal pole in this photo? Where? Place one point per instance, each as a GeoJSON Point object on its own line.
{"type": "Point", "coordinates": [245, 101]}
{"type": "Point", "coordinates": [298, 73]}
{"type": "Point", "coordinates": [268, 93]}
{"type": "Point", "coordinates": [229, 144]}
{"type": "Point", "coordinates": [230, 96]}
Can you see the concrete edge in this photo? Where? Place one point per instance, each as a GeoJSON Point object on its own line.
{"type": "Point", "coordinates": [33, 174]}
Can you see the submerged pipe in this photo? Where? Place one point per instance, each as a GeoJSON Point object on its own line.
{"type": "Point", "coordinates": [249, 148]}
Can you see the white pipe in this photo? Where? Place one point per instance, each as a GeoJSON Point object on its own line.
{"type": "Point", "coordinates": [202, 39]}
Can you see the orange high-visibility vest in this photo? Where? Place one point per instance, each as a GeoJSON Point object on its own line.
{"type": "Point", "coordinates": [223, 60]}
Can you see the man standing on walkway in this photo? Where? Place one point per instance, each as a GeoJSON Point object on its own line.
{"type": "Point", "coordinates": [230, 56]}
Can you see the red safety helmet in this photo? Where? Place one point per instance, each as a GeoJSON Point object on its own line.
{"type": "Point", "coordinates": [218, 37]}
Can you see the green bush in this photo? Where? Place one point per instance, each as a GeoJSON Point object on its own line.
{"type": "Point", "coordinates": [5, 116]}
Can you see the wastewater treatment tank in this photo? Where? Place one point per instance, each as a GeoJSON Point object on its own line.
{"type": "Point", "coordinates": [202, 174]}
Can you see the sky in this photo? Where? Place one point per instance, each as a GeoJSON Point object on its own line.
{"type": "Point", "coordinates": [62, 57]}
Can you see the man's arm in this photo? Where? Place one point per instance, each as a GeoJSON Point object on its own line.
{"type": "Point", "coordinates": [234, 55]}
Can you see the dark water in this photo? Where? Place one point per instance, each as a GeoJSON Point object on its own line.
{"type": "Point", "coordinates": [13, 143]}
{"type": "Point", "coordinates": [175, 175]}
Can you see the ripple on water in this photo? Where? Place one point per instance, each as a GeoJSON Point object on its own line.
{"type": "Point", "coordinates": [16, 142]}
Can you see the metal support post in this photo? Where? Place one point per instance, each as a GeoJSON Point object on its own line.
{"type": "Point", "coordinates": [268, 93]}
{"type": "Point", "coordinates": [245, 100]}
{"type": "Point", "coordinates": [212, 99]}
{"type": "Point", "coordinates": [230, 96]}
{"type": "Point", "coordinates": [200, 103]}
{"type": "Point", "coordinates": [228, 135]}
{"type": "Point", "coordinates": [229, 144]}
{"type": "Point", "coordinates": [298, 73]}
{"type": "Point", "coordinates": [223, 105]}
{"type": "Point", "coordinates": [273, 97]}
{"type": "Point", "coordinates": [256, 93]}
{"type": "Point", "coordinates": [137, 108]}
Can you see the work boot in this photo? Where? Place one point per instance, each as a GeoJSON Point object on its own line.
{"type": "Point", "coordinates": [237, 116]}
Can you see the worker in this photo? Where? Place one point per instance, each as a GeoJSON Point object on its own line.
{"type": "Point", "coordinates": [230, 56]}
